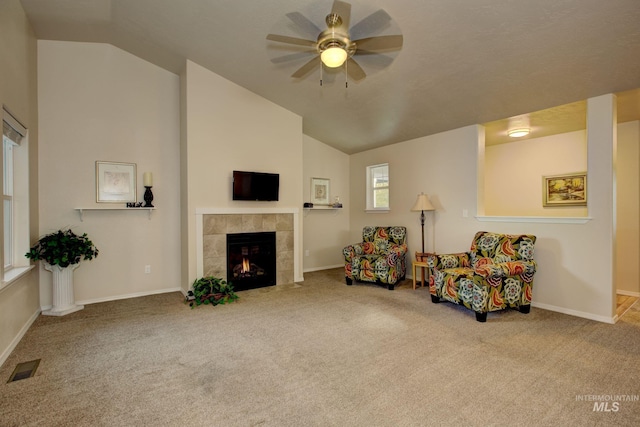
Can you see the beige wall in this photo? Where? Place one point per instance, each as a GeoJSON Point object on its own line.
{"type": "Point", "coordinates": [514, 171]}
{"type": "Point", "coordinates": [325, 231]}
{"type": "Point", "coordinates": [562, 154]}
{"type": "Point", "coordinates": [443, 166]}
{"type": "Point", "coordinates": [98, 102]}
{"type": "Point", "coordinates": [600, 232]}
{"type": "Point", "coordinates": [19, 304]}
{"type": "Point", "coordinates": [575, 273]}
{"type": "Point", "coordinates": [628, 213]}
{"type": "Point", "coordinates": [230, 128]}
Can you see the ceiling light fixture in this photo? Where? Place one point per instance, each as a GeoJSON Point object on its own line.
{"type": "Point", "coordinates": [333, 57]}
{"type": "Point", "coordinates": [333, 46]}
{"type": "Point", "coordinates": [519, 126]}
{"type": "Point", "coordinates": [519, 133]}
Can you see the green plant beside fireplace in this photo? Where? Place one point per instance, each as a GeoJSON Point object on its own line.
{"type": "Point", "coordinates": [210, 290]}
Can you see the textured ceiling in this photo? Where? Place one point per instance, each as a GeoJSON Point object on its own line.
{"type": "Point", "coordinates": [463, 62]}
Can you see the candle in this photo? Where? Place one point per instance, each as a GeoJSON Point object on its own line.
{"type": "Point", "coordinates": [147, 179]}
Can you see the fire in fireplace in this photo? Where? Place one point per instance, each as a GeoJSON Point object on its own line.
{"type": "Point", "coordinates": [251, 260]}
{"type": "Point", "coordinates": [247, 269]}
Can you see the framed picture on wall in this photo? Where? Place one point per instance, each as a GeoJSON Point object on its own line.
{"type": "Point", "coordinates": [320, 191]}
{"type": "Point", "coordinates": [115, 182]}
{"type": "Point", "coordinates": [564, 190]}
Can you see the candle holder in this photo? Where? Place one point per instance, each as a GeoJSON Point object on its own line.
{"type": "Point", "coordinates": [148, 197]}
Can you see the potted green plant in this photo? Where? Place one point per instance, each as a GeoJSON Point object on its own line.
{"type": "Point", "coordinates": [210, 290]}
{"type": "Point", "coordinates": [62, 252]}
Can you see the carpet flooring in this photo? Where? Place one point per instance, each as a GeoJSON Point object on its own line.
{"type": "Point", "coordinates": [321, 353]}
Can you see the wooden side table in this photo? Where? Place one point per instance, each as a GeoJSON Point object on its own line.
{"type": "Point", "coordinates": [422, 266]}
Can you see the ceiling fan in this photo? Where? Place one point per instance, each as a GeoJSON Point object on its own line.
{"type": "Point", "coordinates": [334, 46]}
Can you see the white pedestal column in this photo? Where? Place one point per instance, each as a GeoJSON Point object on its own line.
{"type": "Point", "coordinates": [63, 299]}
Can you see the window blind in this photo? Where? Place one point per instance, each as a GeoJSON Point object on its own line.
{"type": "Point", "coordinates": [12, 128]}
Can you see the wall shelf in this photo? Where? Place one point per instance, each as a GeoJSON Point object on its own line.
{"type": "Point", "coordinates": [82, 210]}
{"type": "Point", "coordinates": [322, 208]}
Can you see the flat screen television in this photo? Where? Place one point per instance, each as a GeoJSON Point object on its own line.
{"type": "Point", "coordinates": [260, 186]}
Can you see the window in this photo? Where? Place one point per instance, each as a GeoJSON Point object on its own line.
{"type": "Point", "coordinates": [15, 202]}
{"type": "Point", "coordinates": [7, 202]}
{"type": "Point", "coordinates": [378, 187]}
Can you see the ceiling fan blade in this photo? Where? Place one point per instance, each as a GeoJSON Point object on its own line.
{"type": "Point", "coordinates": [373, 23]}
{"type": "Point", "coordinates": [354, 70]}
{"type": "Point", "coordinates": [379, 43]}
{"type": "Point", "coordinates": [293, 56]}
{"type": "Point", "coordinates": [342, 9]}
{"type": "Point", "coordinates": [304, 23]}
{"type": "Point", "coordinates": [290, 40]}
{"type": "Point", "coordinates": [306, 68]}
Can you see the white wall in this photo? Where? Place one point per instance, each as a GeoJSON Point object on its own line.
{"type": "Point", "coordinates": [575, 261]}
{"type": "Point", "coordinates": [514, 171]}
{"type": "Point", "coordinates": [443, 166]}
{"type": "Point", "coordinates": [19, 304]}
{"type": "Point", "coordinates": [628, 212]}
{"type": "Point", "coordinates": [230, 128]}
{"type": "Point", "coordinates": [98, 102]}
{"type": "Point", "coordinates": [567, 153]}
{"type": "Point", "coordinates": [326, 232]}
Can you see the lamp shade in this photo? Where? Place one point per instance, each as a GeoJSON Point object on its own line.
{"type": "Point", "coordinates": [423, 204]}
{"type": "Point", "coordinates": [333, 57]}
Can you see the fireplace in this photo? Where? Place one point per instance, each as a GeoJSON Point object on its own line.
{"type": "Point", "coordinates": [213, 225]}
{"type": "Point", "coordinates": [251, 260]}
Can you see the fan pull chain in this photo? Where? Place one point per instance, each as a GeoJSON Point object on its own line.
{"type": "Point", "coordinates": [321, 73]}
{"type": "Point", "coordinates": [346, 74]}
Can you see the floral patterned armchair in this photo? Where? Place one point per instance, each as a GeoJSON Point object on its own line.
{"type": "Point", "coordinates": [497, 273]}
{"type": "Point", "coordinates": [379, 258]}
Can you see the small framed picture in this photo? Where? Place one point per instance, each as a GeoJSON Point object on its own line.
{"type": "Point", "coordinates": [115, 182]}
{"type": "Point", "coordinates": [320, 191]}
{"type": "Point", "coordinates": [564, 190]}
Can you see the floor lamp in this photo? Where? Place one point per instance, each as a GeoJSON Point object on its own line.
{"type": "Point", "coordinates": [422, 204]}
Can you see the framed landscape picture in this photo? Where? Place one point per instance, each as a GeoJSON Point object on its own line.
{"type": "Point", "coordinates": [564, 190]}
{"type": "Point", "coordinates": [115, 182]}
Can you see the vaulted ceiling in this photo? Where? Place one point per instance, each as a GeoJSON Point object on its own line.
{"type": "Point", "coordinates": [463, 62]}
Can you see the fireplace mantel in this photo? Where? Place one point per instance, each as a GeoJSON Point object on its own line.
{"type": "Point", "coordinates": [249, 219]}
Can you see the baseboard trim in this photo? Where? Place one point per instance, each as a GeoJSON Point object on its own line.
{"type": "Point", "coordinates": [127, 296]}
{"type": "Point", "coordinates": [576, 313]}
{"type": "Point", "coordinates": [328, 267]}
{"type": "Point", "coordinates": [629, 293]}
{"type": "Point", "coordinates": [408, 276]}
{"type": "Point", "coordinates": [7, 352]}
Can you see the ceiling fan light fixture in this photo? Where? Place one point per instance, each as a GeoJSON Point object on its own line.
{"type": "Point", "coordinates": [333, 47]}
{"type": "Point", "coordinates": [519, 132]}
{"type": "Point", "coordinates": [333, 57]}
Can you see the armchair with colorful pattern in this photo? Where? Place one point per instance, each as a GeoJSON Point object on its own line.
{"type": "Point", "coordinates": [379, 258]}
{"type": "Point", "coordinates": [497, 273]}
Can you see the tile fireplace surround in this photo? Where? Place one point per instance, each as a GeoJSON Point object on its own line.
{"type": "Point", "coordinates": [213, 225]}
